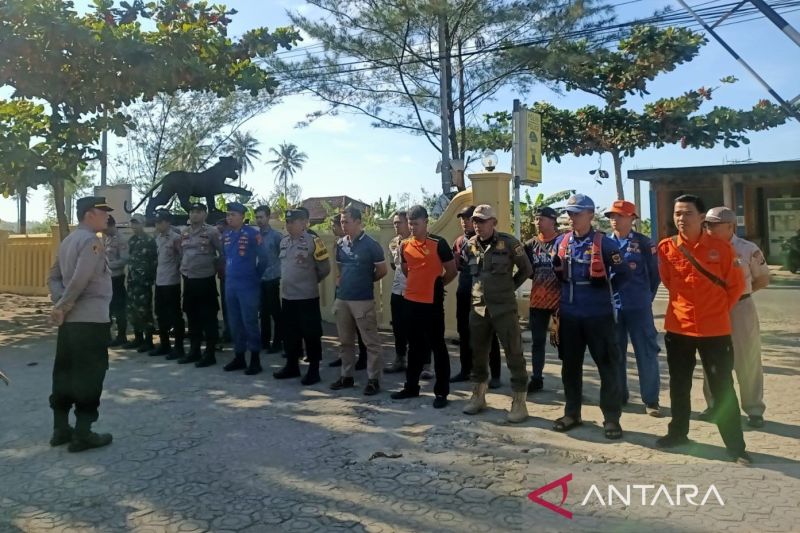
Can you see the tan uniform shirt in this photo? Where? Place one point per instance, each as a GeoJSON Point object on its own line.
{"type": "Point", "coordinates": [169, 258]}
{"type": "Point", "coordinates": [752, 261]}
{"type": "Point", "coordinates": [80, 280]}
{"type": "Point", "coordinates": [116, 253]}
{"type": "Point", "coordinates": [494, 281]}
{"type": "Point", "coordinates": [199, 248]}
{"type": "Point", "coordinates": [305, 262]}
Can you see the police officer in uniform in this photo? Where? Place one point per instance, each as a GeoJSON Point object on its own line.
{"type": "Point", "coordinates": [635, 305]}
{"type": "Point", "coordinates": [241, 247]}
{"type": "Point", "coordinates": [80, 288]}
{"type": "Point", "coordinates": [590, 268]}
{"type": "Point", "coordinates": [491, 257]}
{"type": "Point", "coordinates": [200, 245]}
{"type": "Point", "coordinates": [305, 262]}
{"type": "Point", "coordinates": [168, 287]}
{"type": "Point", "coordinates": [141, 276]}
{"type": "Point", "coordinates": [117, 256]}
{"type": "Point", "coordinates": [745, 331]}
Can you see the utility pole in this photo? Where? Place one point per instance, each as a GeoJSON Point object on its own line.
{"type": "Point", "coordinates": [444, 97]}
{"type": "Point", "coordinates": [104, 149]}
{"type": "Point", "coordinates": [778, 20]}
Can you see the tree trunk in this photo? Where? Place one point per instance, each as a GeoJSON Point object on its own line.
{"type": "Point", "coordinates": [618, 174]}
{"type": "Point", "coordinates": [61, 215]}
{"type": "Point", "coordinates": [22, 198]}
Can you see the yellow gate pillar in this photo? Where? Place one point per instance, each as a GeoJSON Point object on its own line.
{"type": "Point", "coordinates": [493, 188]}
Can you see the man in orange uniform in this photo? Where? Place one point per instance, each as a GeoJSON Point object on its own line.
{"type": "Point", "coordinates": [700, 272]}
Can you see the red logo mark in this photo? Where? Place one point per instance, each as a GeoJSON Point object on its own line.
{"type": "Point", "coordinates": [535, 496]}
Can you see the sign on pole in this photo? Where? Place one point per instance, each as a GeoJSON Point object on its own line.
{"type": "Point", "coordinates": [528, 145]}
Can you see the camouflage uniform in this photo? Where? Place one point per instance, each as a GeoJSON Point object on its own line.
{"type": "Point", "coordinates": [142, 262]}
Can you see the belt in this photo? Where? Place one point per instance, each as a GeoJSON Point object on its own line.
{"type": "Point", "coordinates": [744, 297]}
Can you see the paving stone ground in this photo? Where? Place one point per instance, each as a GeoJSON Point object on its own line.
{"type": "Point", "coordinates": [204, 450]}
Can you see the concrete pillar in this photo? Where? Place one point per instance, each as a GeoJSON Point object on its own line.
{"type": "Point", "coordinates": [116, 196]}
{"type": "Point", "coordinates": [493, 188]}
{"type": "Point", "coordinates": [727, 192]}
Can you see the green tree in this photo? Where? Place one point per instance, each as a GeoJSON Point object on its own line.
{"type": "Point", "coordinates": [390, 53]}
{"type": "Point", "coordinates": [288, 160]}
{"type": "Point", "coordinates": [244, 147]}
{"type": "Point", "coordinates": [383, 210]}
{"type": "Point", "coordinates": [88, 68]}
{"type": "Point", "coordinates": [614, 76]}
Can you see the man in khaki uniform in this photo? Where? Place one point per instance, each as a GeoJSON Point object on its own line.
{"type": "Point", "coordinates": [491, 257]}
{"type": "Point", "coordinates": [745, 333]}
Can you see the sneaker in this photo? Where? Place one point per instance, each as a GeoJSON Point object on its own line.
{"type": "Point", "coordinates": [653, 409]}
{"type": "Point", "coordinates": [755, 421]}
{"type": "Point", "coordinates": [398, 365]}
{"type": "Point", "coordinates": [373, 387]}
{"type": "Point", "coordinates": [535, 385]}
{"type": "Point", "coordinates": [343, 383]}
{"type": "Point", "coordinates": [495, 383]}
{"type": "Point", "coordinates": [404, 394]}
{"type": "Point", "coordinates": [426, 372]}
{"type": "Point", "coordinates": [289, 371]}
{"type": "Point", "coordinates": [335, 364]}
{"type": "Point", "coordinates": [708, 415]}
{"type": "Point", "coordinates": [459, 378]}
{"type": "Point", "coordinates": [439, 402]}
{"type": "Point", "coordinates": [61, 436]}
{"type": "Point", "coordinates": [671, 441]}
{"type": "Point", "coordinates": [89, 441]}
{"type": "Point", "coordinates": [743, 458]}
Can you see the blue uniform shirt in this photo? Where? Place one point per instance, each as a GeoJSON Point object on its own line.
{"type": "Point", "coordinates": [269, 261]}
{"type": "Point", "coordinates": [639, 253]}
{"type": "Point", "coordinates": [579, 297]}
{"type": "Point", "coordinates": [241, 250]}
{"type": "Point", "coordinates": [357, 259]}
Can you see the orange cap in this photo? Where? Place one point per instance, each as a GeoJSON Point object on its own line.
{"type": "Point", "coordinates": [622, 207]}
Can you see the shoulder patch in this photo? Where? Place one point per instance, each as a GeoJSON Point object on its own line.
{"type": "Point", "coordinates": [759, 257]}
{"type": "Point", "coordinates": [519, 251]}
{"type": "Point", "coordinates": [320, 251]}
{"type": "Point", "coordinates": [501, 244]}
{"type": "Point", "coordinates": [96, 248]}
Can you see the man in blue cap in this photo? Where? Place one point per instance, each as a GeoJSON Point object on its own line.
{"type": "Point", "coordinates": [590, 268]}
{"type": "Point", "coordinates": [241, 247]}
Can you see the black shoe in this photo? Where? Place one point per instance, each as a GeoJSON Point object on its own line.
{"type": "Point", "coordinates": [334, 364]}
{"type": "Point", "coordinates": [535, 385]}
{"type": "Point", "coordinates": [361, 363]}
{"type": "Point", "coordinates": [495, 383]}
{"type": "Point", "coordinates": [145, 347]}
{"type": "Point", "coordinates": [343, 383]}
{"type": "Point", "coordinates": [404, 394]}
{"type": "Point", "coordinates": [174, 354]}
{"type": "Point", "coordinates": [459, 378]}
{"type": "Point", "coordinates": [61, 436]}
{"type": "Point", "coordinates": [255, 364]}
{"type": "Point", "coordinates": [311, 377]}
{"type": "Point", "coordinates": [89, 440]}
{"type": "Point", "coordinates": [755, 421]}
{"type": "Point", "coordinates": [238, 363]}
{"type": "Point", "coordinates": [276, 347]}
{"type": "Point", "coordinates": [439, 402]}
{"type": "Point", "coordinates": [291, 370]}
{"type": "Point", "coordinates": [190, 358]}
{"type": "Point", "coordinates": [208, 359]}
{"type": "Point", "coordinates": [708, 415]}
{"type": "Point", "coordinates": [132, 345]}
{"type": "Point", "coordinates": [671, 441]}
{"type": "Point", "coordinates": [119, 341]}
{"type": "Point", "coordinates": [373, 387]}
{"type": "Point", "coordinates": [163, 349]}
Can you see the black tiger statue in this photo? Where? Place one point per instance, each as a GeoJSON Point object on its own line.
{"type": "Point", "coordinates": [206, 184]}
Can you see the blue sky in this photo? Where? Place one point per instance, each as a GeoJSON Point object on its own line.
{"type": "Point", "coordinates": [346, 155]}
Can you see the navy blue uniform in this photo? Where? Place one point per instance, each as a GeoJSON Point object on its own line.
{"type": "Point", "coordinates": [586, 313]}
{"type": "Point", "coordinates": [242, 280]}
{"type": "Point", "coordinates": [634, 303]}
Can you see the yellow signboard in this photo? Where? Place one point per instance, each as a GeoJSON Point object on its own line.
{"type": "Point", "coordinates": [533, 148]}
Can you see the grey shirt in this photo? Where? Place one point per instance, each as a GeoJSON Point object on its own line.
{"type": "Point", "coordinates": [80, 280]}
{"type": "Point", "coordinates": [116, 253]}
{"type": "Point", "coordinates": [304, 263]}
{"type": "Point", "coordinates": [169, 258]}
{"type": "Point", "coordinates": [200, 247]}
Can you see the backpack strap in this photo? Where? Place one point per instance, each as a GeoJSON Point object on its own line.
{"type": "Point", "coordinates": [696, 264]}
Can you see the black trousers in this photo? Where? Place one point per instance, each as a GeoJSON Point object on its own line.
{"type": "Point", "coordinates": [716, 356]}
{"type": "Point", "coordinates": [119, 301]}
{"type": "Point", "coordinates": [200, 303]}
{"type": "Point", "coordinates": [271, 312]}
{"type": "Point", "coordinates": [302, 322]}
{"type": "Point", "coordinates": [226, 330]}
{"type": "Point", "coordinates": [463, 308]}
{"type": "Point", "coordinates": [169, 313]}
{"type": "Point", "coordinates": [78, 373]}
{"type": "Point", "coordinates": [399, 327]}
{"type": "Point", "coordinates": [539, 321]}
{"type": "Point", "coordinates": [426, 325]}
{"type": "Point", "coordinates": [598, 333]}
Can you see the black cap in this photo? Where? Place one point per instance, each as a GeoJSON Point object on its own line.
{"type": "Point", "coordinates": [91, 202]}
{"type": "Point", "coordinates": [111, 221]}
{"type": "Point", "coordinates": [163, 215]}
{"type": "Point", "coordinates": [198, 206]}
{"type": "Point", "coordinates": [546, 211]}
{"type": "Point", "coordinates": [466, 212]}
{"type": "Point", "coordinates": [236, 207]}
{"type": "Point", "coordinates": [296, 214]}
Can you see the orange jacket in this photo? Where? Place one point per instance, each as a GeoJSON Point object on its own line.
{"type": "Point", "coordinates": [697, 306]}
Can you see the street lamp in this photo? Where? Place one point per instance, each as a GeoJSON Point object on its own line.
{"type": "Point", "coordinates": [489, 160]}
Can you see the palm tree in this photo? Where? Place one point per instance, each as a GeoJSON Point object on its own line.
{"type": "Point", "coordinates": [287, 161]}
{"type": "Point", "coordinates": [243, 146]}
